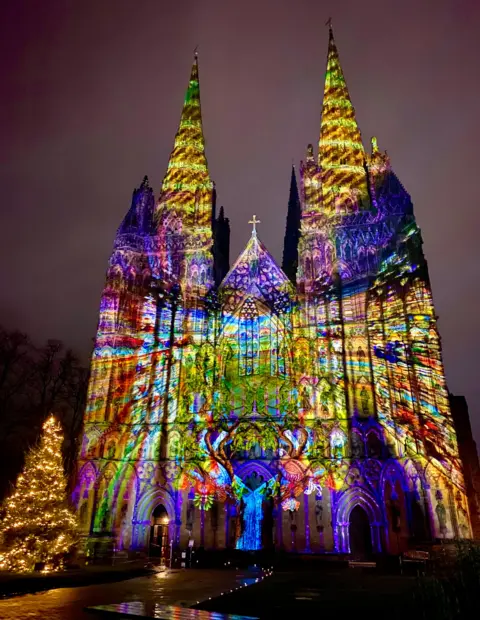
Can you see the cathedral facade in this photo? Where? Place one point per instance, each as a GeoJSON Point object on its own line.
{"type": "Point", "coordinates": [301, 408]}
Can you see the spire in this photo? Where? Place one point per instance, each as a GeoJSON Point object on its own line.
{"type": "Point", "coordinates": [292, 231]}
{"type": "Point", "coordinates": [341, 154]}
{"type": "Point", "coordinates": [221, 246]}
{"type": "Point", "coordinates": [187, 183]}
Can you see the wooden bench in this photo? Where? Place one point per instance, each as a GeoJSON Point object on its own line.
{"type": "Point", "coordinates": [361, 564]}
{"type": "Point", "coordinates": [418, 558]}
{"type": "Point", "coordinates": [155, 611]}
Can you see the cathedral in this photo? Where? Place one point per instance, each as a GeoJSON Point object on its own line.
{"type": "Point", "coordinates": [300, 408]}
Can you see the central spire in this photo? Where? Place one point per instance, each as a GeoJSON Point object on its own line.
{"type": "Point", "coordinates": [340, 150]}
{"type": "Point", "coordinates": [187, 186]}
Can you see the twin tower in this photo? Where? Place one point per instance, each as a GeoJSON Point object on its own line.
{"type": "Point", "coordinates": [301, 408]}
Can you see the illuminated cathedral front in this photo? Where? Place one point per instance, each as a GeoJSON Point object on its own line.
{"type": "Point", "coordinates": [301, 408]}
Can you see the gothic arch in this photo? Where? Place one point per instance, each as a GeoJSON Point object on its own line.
{"type": "Point", "coordinates": [414, 471]}
{"type": "Point", "coordinates": [125, 492]}
{"type": "Point", "coordinates": [356, 496]}
{"type": "Point", "coordinates": [150, 499]}
{"type": "Point", "coordinates": [374, 443]}
{"type": "Point", "coordinates": [343, 268]}
{"type": "Point", "coordinates": [247, 469]}
{"type": "Point", "coordinates": [397, 504]}
{"type": "Point", "coordinates": [240, 335]}
{"type": "Point", "coordinates": [393, 472]}
{"type": "Point", "coordinates": [110, 445]}
{"type": "Point", "coordinates": [88, 474]}
{"type": "Point", "coordinates": [143, 511]}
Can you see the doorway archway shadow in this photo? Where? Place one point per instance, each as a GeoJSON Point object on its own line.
{"type": "Point", "coordinates": [360, 535]}
{"type": "Point", "coordinates": [159, 539]}
{"type": "Point", "coordinates": [367, 518]}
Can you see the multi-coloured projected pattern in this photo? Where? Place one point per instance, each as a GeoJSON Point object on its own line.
{"type": "Point", "coordinates": [263, 413]}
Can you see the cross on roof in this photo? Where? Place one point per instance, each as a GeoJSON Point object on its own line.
{"type": "Point", "coordinates": [254, 223]}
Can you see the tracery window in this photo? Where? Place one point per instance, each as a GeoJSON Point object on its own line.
{"type": "Point", "coordinates": [261, 338]}
{"type": "Point", "coordinates": [249, 338]}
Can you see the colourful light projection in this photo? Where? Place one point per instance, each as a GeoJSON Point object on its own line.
{"type": "Point", "coordinates": [259, 413]}
{"type": "Point", "coordinates": [341, 157]}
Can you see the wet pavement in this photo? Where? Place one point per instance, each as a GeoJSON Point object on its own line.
{"type": "Point", "coordinates": [176, 587]}
{"type": "Point", "coordinates": [325, 593]}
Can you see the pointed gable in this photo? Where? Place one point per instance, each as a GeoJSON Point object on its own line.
{"type": "Point", "coordinates": [256, 274]}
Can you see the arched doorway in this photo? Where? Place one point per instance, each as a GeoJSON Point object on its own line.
{"type": "Point", "coordinates": [251, 513]}
{"type": "Point", "coordinates": [255, 518]}
{"type": "Point", "coordinates": [159, 543]}
{"type": "Point", "coordinates": [419, 524]}
{"type": "Point", "coordinates": [396, 517]}
{"type": "Point", "coordinates": [360, 534]}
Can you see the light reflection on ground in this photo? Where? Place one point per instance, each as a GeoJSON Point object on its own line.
{"type": "Point", "coordinates": [183, 588]}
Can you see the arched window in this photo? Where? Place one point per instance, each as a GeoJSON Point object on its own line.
{"type": "Point", "coordinates": [337, 444]}
{"type": "Point", "coordinates": [357, 446]}
{"type": "Point", "coordinates": [372, 260]}
{"type": "Point", "coordinates": [110, 450]}
{"type": "Point", "coordinates": [308, 268]}
{"type": "Point", "coordinates": [347, 252]}
{"type": "Point", "coordinates": [374, 445]}
{"type": "Point", "coordinates": [194, 273]}
{"type": "Point", "coordinates": [249, 338]}
{"type": "Point", "coordinates": [361, 258]}
{"type": "Point", "coordinates": [83, 514]}
{"type": "Point", "coordinates": [174, 445]}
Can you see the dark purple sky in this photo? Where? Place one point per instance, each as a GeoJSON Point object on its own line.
{"type": "Point", "coordinates": [91, 94]}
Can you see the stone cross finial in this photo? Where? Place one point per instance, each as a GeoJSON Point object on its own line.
{"type": "Point", "coordinates": [254, 223]}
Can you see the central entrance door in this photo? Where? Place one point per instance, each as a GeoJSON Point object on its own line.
{"type": "Point", "coordinates": [159, 543]}
{"type": "Point", "coordinates": [360, 534]}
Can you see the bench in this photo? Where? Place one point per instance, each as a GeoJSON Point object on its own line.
{"type": "Point", "coordinates": [418, 558]}
{"type": "Point", "coordinates": [361, 564]}
{"type": "Point", "coordinates": [155, 611]}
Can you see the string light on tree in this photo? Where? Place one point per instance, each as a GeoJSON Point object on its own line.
{"type": "Point", "coordinates": [38, 528]}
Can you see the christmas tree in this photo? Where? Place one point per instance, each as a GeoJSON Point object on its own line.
{"type": "Point", "coordinates": [37, 527]}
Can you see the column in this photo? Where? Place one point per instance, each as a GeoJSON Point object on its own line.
{"type": "Point", "coordinates": [306, 502]}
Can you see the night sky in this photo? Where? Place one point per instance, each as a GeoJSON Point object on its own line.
{"type": "Point", "coordinates": [91, 93]}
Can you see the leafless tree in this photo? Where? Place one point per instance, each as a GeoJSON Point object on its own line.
{"type": "Point", "coordinates": [34, 382]}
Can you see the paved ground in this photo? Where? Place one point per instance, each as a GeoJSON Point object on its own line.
{"type": "Point", "coordinates": [12, 584]}
{"type": "Point", "coordinates": [328, 593]}
{"type": "Point", "coordinates": [175, 587]}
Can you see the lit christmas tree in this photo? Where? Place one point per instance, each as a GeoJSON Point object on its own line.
{"type": "Point", "coordinates": [37, 527]}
